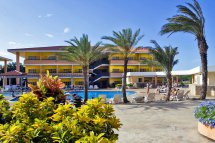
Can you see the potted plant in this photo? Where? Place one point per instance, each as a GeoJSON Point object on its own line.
{"type": "Point", "coordinates": [205, 114]}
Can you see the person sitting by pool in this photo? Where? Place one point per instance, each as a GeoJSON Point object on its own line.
{"type": "Point", "coordinates": [174, 93]}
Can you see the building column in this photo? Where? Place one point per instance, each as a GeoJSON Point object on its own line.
{"type": "Point", "coordinates": [177, 80]}
{"type": "Point", "coordinates": [72, 82]}
{"type": "Point", "coordinates": [156, 80]}
{"type": "Point", "coordinates": [193, 78]}
{"type": "Point", "coordinates": [9, 81]}
{"type": "Point", "coordinates": [41, 69]}
{"type": "Point", "coordinates": [56, 68]}
{"type": "Point", "coordinates": [5, 71]}
{"type": "Point", "coordinates": [17, 67]}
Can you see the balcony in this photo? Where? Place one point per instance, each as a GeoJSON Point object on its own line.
{"type": "Point", "coordinates": [121, 62]}
{"type": "Point", "coordinates": [69, 75]}
{"type": "Point", "coordinates": [116, 75]}
{"type": "Point", "coordinates": [48, 62]}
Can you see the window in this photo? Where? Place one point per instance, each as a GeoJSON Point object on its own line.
{"type": "Point", "coordinates": [32, 71]}
{"type": "Point", "coordinates": [115, 58]}
{"type": "Point", "coordinates": [130, 70]}
{"type": "Point", "coordinates": [80, 83]}
{"type": "Point", "coordinates": [115, 71]}
{"type": "Point", "coordinates": [79, 70]}
{"type": "Point", "coordinates": [52, 58]}
{"type": "Point", "coordinates": [33, 58]}
{"type": "Point", "coordinates": [52, 70]}
{"type": "Point", "coordinates": [143, 70]}
{"type": "Point", "coordinates": [66, 70]}
{"type": "Point", "coordinates": [142, 58]}
{"type": "Point", "coordinates": [140, 80]}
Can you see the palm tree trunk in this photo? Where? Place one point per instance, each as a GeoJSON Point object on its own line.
{"type": "Point", "coordinates": [85, 72]}
{"type": "Point", "coordinates": [125, 100]}
{"type": "Point", "coordinates": [169, 85]}
{"type": "Point", "coordinates": [203, 47]}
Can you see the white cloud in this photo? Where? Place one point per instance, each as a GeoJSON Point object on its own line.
{"type": "Point", "coordinates": [12, 43]}
{"type": "Point", "coordinates": [48, 15]}
{"type": "Point", "coordinates": [45, 16]}
{"type": "Point", "coordinates": [28, 34]}
{"type": "Point", "coordinates": [49, 35]}
{"type": "Point", "coordinates": [66, 30]}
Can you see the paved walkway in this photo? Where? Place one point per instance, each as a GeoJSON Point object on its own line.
{"type": "Point", "coordinates": [171, 122]}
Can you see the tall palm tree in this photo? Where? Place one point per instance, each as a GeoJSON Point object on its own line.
{"type": "Point", "coordinates": [123, 42]}
{"type": "Point", "coordinates": [165, 58]}
{"type": "Point", "coordinates": [82, 52]}
{"type": "Point", "coordinates": [190, 19]}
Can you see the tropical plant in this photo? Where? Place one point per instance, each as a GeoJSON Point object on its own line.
{"type": "Point", "coordinates": [165, 58]}
{"type": "Point", "coordinates": [124, 42]}
{"type": "Point", "coordinates": [205, 113]}
{"type": "Point", "coordinates": [191, 20]}
{"type": "Point", "coordinates": [5, 114]}
{"type": "Point", "coordinates": [82, 52]}
{"type": "Point", "coordinates": [49, 86]}
{"type": "Point", "coordinates": [35, 121]}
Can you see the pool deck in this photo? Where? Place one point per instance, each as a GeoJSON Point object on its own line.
{"type": "Point", "coordinates": [170, 122]}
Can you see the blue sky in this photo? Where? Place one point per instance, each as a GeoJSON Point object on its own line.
{"type": "Point", "coordinates": [32, 23]}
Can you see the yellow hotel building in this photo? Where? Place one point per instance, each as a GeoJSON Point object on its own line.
{"type": "Point", "coordinates": [104, 73]}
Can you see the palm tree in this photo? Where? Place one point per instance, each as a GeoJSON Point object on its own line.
{"type": "Point", "coordinates": [123, 42]}
{"type": "Point", "coordinates": [191, 20]}
{"type": "Point", "coordinates": [82, 52]}
{"type": "Point", "coordinates": [165, 58]}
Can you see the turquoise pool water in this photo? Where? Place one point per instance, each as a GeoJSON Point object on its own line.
{"type": "Point", "coordinates": [91, 94]}
{"type": "Point", "coordinates": [95, 94]}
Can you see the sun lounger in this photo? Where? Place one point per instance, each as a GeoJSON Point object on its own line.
{"type": "Point", "coordinates": [151, 97]}
{"type": "Point", "coordinates": [180, 95]}
{"type": "Point", "coordinates": [186, 95]}
{"type": "Point", "coordinates": [96, 87]}
{"type": "Point", "coordinates": [103, 98]}
{"type": "Point", "coordinates": [138, 99]}
{"type": "Point", "coordinates": [91, 87]}
{"type": "Point", "coordinates": [116, 99]}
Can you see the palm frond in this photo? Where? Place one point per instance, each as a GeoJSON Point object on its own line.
{"type": "Point", "coordinates": [189, 19]}
{"type": "Point", "coordinates": [123, 41]}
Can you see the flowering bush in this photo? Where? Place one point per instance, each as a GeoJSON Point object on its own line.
{"type": "Point", "coordinates": [33, 121]}
{"type": "Point", "coordinates": [205, 113]}
{"type": "Point", "coordinates": [49, 86]}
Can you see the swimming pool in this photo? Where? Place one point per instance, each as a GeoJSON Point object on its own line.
{"type": "Point", "coordinates": [95, 94]}
{"type": "Point", "coordinates": [91, 94]}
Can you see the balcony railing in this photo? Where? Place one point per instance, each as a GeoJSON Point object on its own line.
{"type": "Point", "coordinates": [48, 62]}
{"type": "Point", "coordinates": [121, 62]}
{"type": "Point", "coordinates": [57, 74]}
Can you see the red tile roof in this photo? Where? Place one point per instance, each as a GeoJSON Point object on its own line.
{"type": "Point", "coordinates": [13, 73]}
{"type": "Point", "coordinates": [3, 59]}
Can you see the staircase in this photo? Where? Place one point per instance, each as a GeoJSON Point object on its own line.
{"type": "Point", "coordinates": [99, 76]}
{"type": "Point", "coordinates": [97, 64]}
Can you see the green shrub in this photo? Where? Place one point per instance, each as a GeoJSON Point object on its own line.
{"type": "Point", "coordinates": [5, 113]}
{"type": "Point", "coordinates": [35, 121]}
